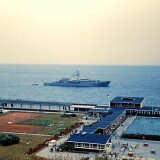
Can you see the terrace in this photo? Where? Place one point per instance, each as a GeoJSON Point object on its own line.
{"type": "Point", "coordinates": [135, 148]}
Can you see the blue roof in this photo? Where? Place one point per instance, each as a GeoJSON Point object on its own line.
{"type": "Point", "coordinates": [89, 138]}
{"type": "Point", "coordinates": [146, 108]}
{"type": "Point", "coordinates": [133, 100]}
{"type": "Point", "coordinates": [31, 102]}
{"type": "Point", "coordinates": [105, 121]}
{"type": "Point", "coordinates": [102, 109]}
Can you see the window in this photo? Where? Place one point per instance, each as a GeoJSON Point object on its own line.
{"type": "Point", "coordinates": [78, 145]}
{"type": "Point", "coordinates": [86, 145]}
{"type": "Point", "coordinates": [95, 146]}
{"type": "Point", "coordinates": [91, 146]}
{"type": "Point", "coordinates": [101, 146]}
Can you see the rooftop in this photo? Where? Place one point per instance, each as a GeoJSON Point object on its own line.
{"type": "Point", "coordinates": [101, 109]}
{"type": "Point", "coordinates": [30, 102]}
{"type": "Point", "coordinates": [133, 100]}
{"type": "Point", "coordinates": [89, 138]}
{"type": "Point", "coordinates": [106, 121]}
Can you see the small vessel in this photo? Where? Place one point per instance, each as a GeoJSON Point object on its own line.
{"type": "Point", "coordinates": [78, 81]}
{"type": "Point", "coordinates": [35, 84]}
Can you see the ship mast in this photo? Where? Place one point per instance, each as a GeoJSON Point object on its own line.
{"type": "Point", "coordinates": [77, 73]}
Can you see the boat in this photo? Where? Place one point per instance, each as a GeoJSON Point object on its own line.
{"type": "Point", "coordinates": [78, 81]}
{"type": "Point", "coordinates": [35, 84]}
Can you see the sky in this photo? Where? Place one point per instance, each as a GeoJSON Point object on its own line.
{"type": "Point", "coordinates": [103, 32]}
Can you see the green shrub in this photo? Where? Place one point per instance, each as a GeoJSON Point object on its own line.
{"type": "Point", "coordinates": [141, 136]}
{"type": "Point", "coordinates": [8, 139]}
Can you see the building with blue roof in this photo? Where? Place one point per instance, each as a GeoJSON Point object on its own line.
{"type": "Point", "coordinates": [100, 111]}
{"type": "Point", "coordinates": [134, 102]}
{"type": "Point", "coordinates": [86, 141]}
{"type": "Point", "coordinates": [144, 111]}
{"type": "Point", "coordinates": [104, 123]}
{"type": "Point", "coordinates": [96, 137]}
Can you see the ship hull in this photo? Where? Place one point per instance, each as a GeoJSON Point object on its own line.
{"type": "Point", "coordinates": [96, 84]}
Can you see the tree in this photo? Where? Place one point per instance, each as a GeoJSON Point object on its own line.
{"type": "Point", "coordinates": [8, 139]}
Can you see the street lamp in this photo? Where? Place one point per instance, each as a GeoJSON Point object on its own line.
{"type": "Point", "coordinates": [108, 100]}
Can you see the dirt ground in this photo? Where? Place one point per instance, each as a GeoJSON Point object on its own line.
{"type": "Point", "coordinates": [16, 117]}
{"type": "Point", "coordinates": [8, 122]}
{"type": "Point", "coordinates": [18, 128]}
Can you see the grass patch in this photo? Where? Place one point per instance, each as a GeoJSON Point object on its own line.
{"type": "Point", "coordinates": [56, 124]}
{"type": "Point", "coordinates": [53, 122]}
{"type": "Point", "coordinates": [17, 151]}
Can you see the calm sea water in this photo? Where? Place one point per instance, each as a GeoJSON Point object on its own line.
{"type": "Point", "coordinates": [142, 81]}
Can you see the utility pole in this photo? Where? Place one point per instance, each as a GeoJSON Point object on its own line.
{"type": "Point", "coordinates": [108, 100]}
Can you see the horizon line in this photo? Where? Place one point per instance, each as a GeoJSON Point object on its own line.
{"type": "Point", "coordinates": [81, 64]}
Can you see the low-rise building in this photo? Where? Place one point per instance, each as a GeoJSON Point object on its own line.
{"type": "Point", "coordinates": [90, 142]}
{"type": "Point", "coordinates": [134, 102]}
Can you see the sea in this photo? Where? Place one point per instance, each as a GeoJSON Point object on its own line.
{"type": "Point", "coordinates": [18, 82]}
